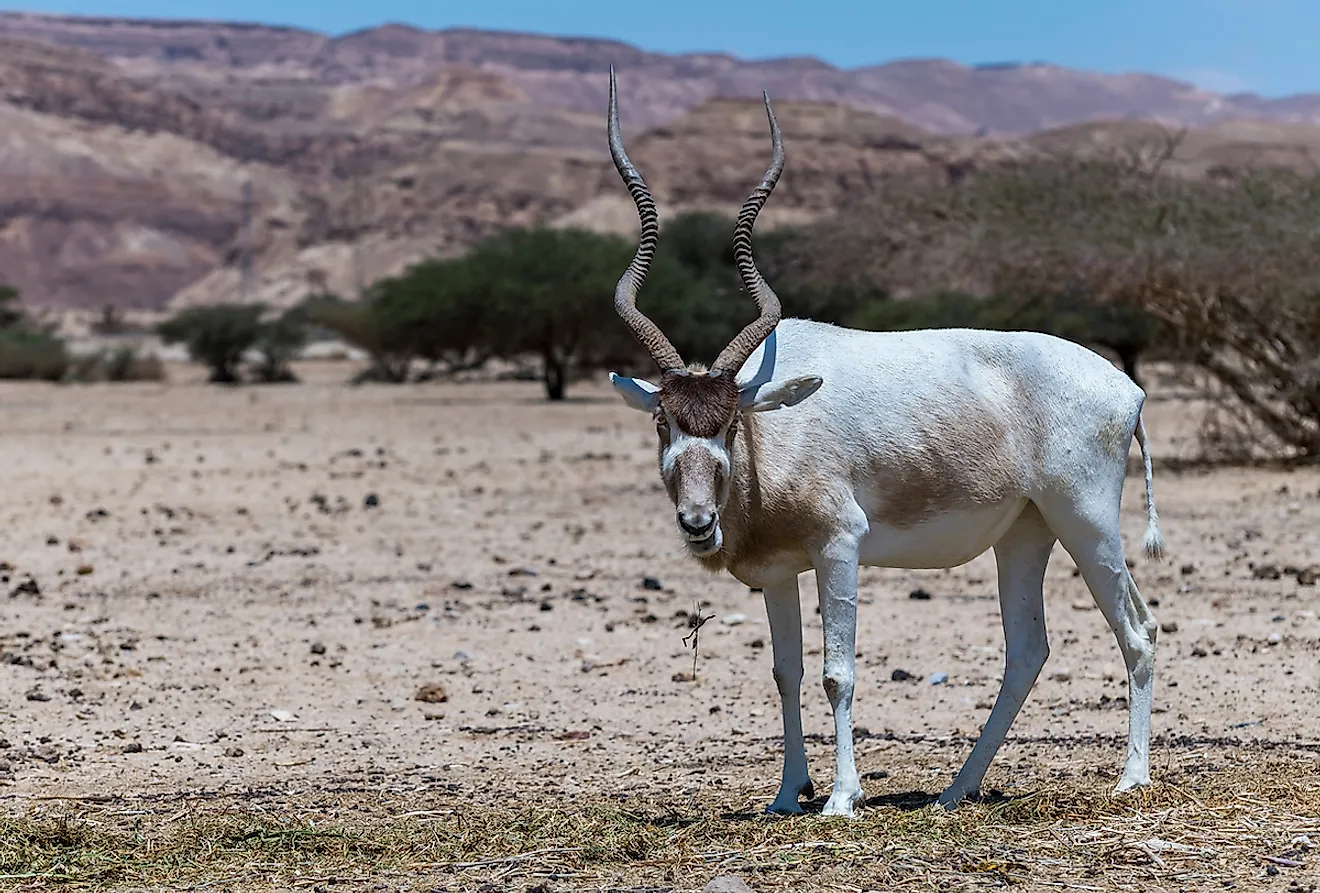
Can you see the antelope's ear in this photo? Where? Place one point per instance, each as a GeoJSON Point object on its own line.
{"type": "Point", "coordinates": [778, 394]}
{"type": "Point", "coordinates": [636, 393]}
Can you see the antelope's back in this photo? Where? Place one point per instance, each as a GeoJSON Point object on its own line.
{"type": "Point", "coordinates": [985, 412]}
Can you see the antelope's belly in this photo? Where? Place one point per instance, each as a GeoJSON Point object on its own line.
{"type": "Point", "coordinates": [947, 540]}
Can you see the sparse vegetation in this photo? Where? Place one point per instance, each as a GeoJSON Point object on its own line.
{"type": "Point", "coordinates": [120, 364]}
{"type": "Point", "coordinates": [1204, 831]}
{"type": "Point", "coordinates": [28, 354]}
{"type": "Point", "coordinates": [221, 335]}
{"type": "Point", "coordinates": [26, 350]}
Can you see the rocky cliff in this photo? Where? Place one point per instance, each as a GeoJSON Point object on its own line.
{"type": "Point", "coordinates": [125, 145]}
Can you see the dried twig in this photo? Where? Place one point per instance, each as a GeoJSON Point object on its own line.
{"type": "Point", "coordinates": [698, 621]}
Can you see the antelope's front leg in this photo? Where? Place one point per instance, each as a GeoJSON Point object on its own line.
{"type": "Point", "coordinates": [836, 581]}
{"type": "Point", "coordinates": [783, 608]}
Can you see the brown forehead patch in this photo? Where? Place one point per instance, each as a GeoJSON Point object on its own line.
{"type": "Point", "coordinates": [701, 405]}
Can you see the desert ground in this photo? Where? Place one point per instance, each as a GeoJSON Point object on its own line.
{"type": "Point", "coordinates": [431, 637]}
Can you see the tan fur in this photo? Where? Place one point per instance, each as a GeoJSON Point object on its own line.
{"type": "Point", "coordinates": [765, 519]}
{"type": "Point", "coordinates": [935, 479]}
{"type": "Point", "coordinates": [779, 518]}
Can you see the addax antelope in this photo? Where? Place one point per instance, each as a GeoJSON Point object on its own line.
{"type": "Point", "coordinates": [807, 446]}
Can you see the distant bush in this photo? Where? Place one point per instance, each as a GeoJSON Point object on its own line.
{"type": "Point", "coordinates": [220, 335]}
{"type": "Point", "coordinates": [10, 313]}
{"type": "Point", "coordinates": [364, 325]}
{"type": "Point", "coordinates": [27, 354]}
{"type": "Point", "coordinates": [121, 364]}
{"type": "Point", "coordinates": [216, 336]}
{"type": "Point", "coordinates": [279, 342]}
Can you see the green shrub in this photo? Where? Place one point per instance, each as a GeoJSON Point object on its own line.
{"type": "Point", "coordinates": [216, 336]}
{"type": "Point", "coordinates": [278, 342]}
{"type": "Point", "coordinates": [121, 364]}
{"type": "Point", "coordinates": [220, 335]}
{"type": "Point", "coordinates": [28, 354]}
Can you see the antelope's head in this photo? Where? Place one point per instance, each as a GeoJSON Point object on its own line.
{"type": "Point", "coordinates": [695, 408]}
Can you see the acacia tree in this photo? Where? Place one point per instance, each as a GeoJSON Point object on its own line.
{"type": "Point", "coordinates": [701, 303]}
{"type": "Point", "coordinates": [549, 293]}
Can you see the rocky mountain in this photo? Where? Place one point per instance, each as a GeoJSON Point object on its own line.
{"type": "Point", "coordinates": [125, 144]}
{"type": "Point", "coordinates": [570, 73]}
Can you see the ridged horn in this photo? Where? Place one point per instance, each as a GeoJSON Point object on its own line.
{"type": "Point", "coordinates": [625, 293]}
{"type": "Point", "coordinates": [740, 348]}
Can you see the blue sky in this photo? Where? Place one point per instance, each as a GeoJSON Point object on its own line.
{"type": "Point", "coordinates": [1266, 46]}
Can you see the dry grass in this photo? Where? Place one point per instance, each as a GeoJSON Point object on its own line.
{"type": "Point", "coordinates": [1234, 827]}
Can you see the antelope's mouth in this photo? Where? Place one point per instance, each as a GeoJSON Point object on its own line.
{"type": "Point", "coordinates": [708, 544]}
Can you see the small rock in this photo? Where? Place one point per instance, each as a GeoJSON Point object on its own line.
{"type": "Point", "coordinates": [1308, 576]}
{"type": "Point", "coordinates": [938, 678]}
{"type": "Point", "coordinates": [1275, 638]}
{"type": "Point", "coordinates": [1061, 674]}
{"type": "Point", "coordinates": [27, 586]}
{"type": "Point", "coordinates": [757, 643]}
{"type": "Point", "coordinates": [726, 883]}
{"type": "Point", "coordinates": [683, 677]}
{"type": "Point", "coordinates": [547, 606]}
{"type": "Point", "coordinates": [1169, 626]}
{"type": "Point", "coordinates": [133, 747]}
{"type": "Point", "coordinates": [734, 619]}
{"type": "Point", "coordinates": [372, 501]}
{"type": "Point", "coordinates": [919, 595]}
{"type": "Point", "coordinates": [431, 693]}
{"type": "Point", "coordinates": [318, 648]}
{"type": "Point", "coordinates": [524, 572]}
{"type": "Point", "coordinates": [36, 694]}
{"type": "Point", "coordinates": [651, 583]}
{"type": "Point", "coordinates": [283, 715]}
{"type": "Point", "coordinates": [233, 752]}
{"type": "Point", "coordinates": [1198, 651]}
{"type": "Point", "coordinates": [85, 569]}
{"type": "Point", "coordinates": [462, 657]}
{"type": "Point", "coordinates": [460, 584]}
{"type": "Point", "coordinates": [1187, 570]}
{"type": "Point", "coordinates": [901, 676]}
{"type": "Point", "coordinates": [1266, 572]}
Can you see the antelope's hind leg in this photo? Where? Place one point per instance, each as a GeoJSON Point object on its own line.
{"type": "Point", "coordinates": [1091, 536]}
{"type": "Point", "coordinates": [783, 608]}
{"type": "Point", "coordinates": [1021, 556]}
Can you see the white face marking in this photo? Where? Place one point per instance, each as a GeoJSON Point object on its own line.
{"type": "Point", "coordinates": [696, 471]}
{"type": "Point", "coordinates": [680, 443]}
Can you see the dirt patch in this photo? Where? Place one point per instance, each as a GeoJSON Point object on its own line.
{"type": "Point", "coordinates": [220, 606]}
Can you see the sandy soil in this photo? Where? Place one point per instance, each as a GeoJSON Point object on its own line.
{"type": "Point", "coordinates": [211, 590]}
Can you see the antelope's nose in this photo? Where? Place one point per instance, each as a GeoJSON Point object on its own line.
{"type": "Point", "coordinates": [696, 522]}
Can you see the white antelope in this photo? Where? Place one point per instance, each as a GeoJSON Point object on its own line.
{"type": "Point", "coordinates": [912, 450]}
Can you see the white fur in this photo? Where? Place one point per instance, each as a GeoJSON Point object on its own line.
{"type": "Point", "coordinates": [636, 392]}
{"type": "Point", "coordinates": [896, 406]}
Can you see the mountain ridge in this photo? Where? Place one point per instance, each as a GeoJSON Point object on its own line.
{"type": "Point", "coordinates": [125, 144]}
